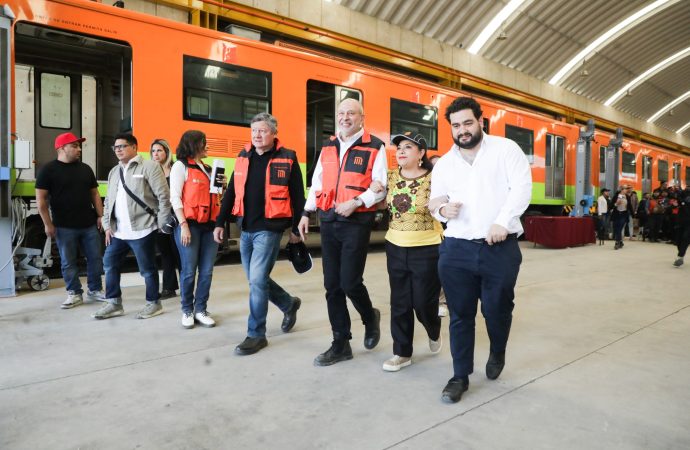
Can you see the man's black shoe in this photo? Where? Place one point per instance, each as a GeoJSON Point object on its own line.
{"type": "Point", "coordinates": [372, 331]}
{"type": "Point", "coordinates": [495, 364]}
{"type": "Point", "coordinates": [167, 293]}
{"type": "Point", "coordinates": [290, 317]}
{"type": "Point", "coordinates": [251, 345]}
{"type": "Point", "coordinates": [339, 351]}
{"type": "Point", "coordinates": [453, 391]}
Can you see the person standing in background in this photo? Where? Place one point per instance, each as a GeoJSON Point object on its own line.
{"type": "Point", "coordinates": [170, 258]}
{"type": "Point", "coordinates": [69, 188]}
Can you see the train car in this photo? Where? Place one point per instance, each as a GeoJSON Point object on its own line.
{"type": "Point", "coordinates": [97, 70]}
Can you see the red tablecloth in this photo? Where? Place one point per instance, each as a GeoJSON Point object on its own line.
{"type": "Point", "coordinates": [560, 232]}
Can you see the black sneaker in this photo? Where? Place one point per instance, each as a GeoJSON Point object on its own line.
{"type": "Point", "coordinates": [372, 331]}
{"type": "Point", "coordinates": [453, 391]}
{"type": "Point", "coordinates": [167, 293]}
{"type": "Point", "coordinates": [339, 351]}
{"type": "Point", "coordinates": [290, 317]}
{"type": "Point", "coordinates": [251, 345]}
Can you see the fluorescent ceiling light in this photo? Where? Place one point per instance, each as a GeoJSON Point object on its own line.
{"type": "Point", "coordinates": [683, 128]}
{"type": "Point", "coordinates": [647, 75]}
{"type": "Point", "coordinates": [669, 106]}
{"type": "Point", "coordinates": [496, 22]}
{"type": "Point", "coordinates": [212, 72]}
{"type": "Point", "coordinates": [610, 35]}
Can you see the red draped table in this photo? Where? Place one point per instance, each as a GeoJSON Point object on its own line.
{"type": "Point", "coordinates": [560, 231]}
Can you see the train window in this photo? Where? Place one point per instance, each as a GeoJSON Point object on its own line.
{"type": "Point", "coordinates": [524, 138]}
{"type": "Point", "coordinates": [629, 163]}
{"type": "Point", "coordinates": [663, 170]}
{"type": "Point", "coordinates": [676, 174]}
{"type": "Point", "coordinates": [419, 119]}
{"type": "Point", "coordinates": [687, 176]}
{"type": "Point", "coordinates": [56, 101]}
{"type": "Point", "coordinates": [223, 93]}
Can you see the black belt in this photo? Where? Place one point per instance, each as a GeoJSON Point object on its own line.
{"type": "Point", "coordinates": [483, 240]}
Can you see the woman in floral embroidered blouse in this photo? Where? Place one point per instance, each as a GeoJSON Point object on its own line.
{"type": "Point", "coordinates": [412, 244]}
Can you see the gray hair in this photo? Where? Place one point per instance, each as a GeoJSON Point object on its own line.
{"type": "Point", "coordinates": [269, 119]}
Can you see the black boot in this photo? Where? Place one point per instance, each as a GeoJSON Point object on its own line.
{"type": "Point", "coordinates": [339, 351]}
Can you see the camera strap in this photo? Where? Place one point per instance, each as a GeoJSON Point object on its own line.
{"type": "Point", "coordinates": [134, 197]}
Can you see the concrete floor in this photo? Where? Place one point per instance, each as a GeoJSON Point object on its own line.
{"type": "Point", "coordinates": [598, 358]}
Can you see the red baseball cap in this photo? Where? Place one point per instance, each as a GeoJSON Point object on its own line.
{"type": "Point", "coordinates": [66, 138]}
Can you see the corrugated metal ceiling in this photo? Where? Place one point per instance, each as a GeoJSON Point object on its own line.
{"type": "Point", "coordinates": [545, 34]}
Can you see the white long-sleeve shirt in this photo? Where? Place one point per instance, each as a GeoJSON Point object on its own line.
{"type": "Point", "coordinates": [495, 189]}
{"type": "Point", "coordinates": [379, 172]}
{"type": "Point", "coordinates": [602, 205]}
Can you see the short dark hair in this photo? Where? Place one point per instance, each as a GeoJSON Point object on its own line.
{"type": "Point", "coordinates": [461, 103]}
{"type": "Point", "coordinates": [129, 137]}
{"type": "Point", "coordinates": [191, 142]}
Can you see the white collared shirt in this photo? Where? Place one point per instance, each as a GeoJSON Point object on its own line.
{"type": "Point", "coordinates": [124, 226]}
{"type": "Point", "coordinates": [495, 189]}
{"type": "Point", "coordinates": [379, 172]}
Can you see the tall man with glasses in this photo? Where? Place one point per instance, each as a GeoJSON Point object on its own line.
{"type": "Point", "coordinates": [348, 164]}
{"type": "Point", "coordinates": [130, 220]}
{"type": "Point", "coordinates": [74, 218]}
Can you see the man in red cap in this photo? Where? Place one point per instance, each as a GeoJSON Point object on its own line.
{"type": "Point", "coordinates": [69, 187]}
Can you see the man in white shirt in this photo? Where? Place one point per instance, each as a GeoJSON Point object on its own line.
{"type": "Point", "coordinates": [347, 165]}
{"type": "Point", "coordinates": [131, 224]}
{"type": "Point", "coordinates": [603, 214]}
{"type": "Point", "coordinates": [485, 184]}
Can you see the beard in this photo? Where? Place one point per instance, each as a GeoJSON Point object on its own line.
{"type": "Point", "coordinates": [474, 140]}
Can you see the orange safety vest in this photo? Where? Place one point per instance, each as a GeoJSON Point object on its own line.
{"type": "Point", "coordinates": [277, 203]}
{"type": "Point", "coordinates": [343, 183]}
{"type": "Point", "coordinates": [198, 203]}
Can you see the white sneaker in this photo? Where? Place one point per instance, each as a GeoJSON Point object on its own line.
{"type": "Point", "coordinates": [72, 300]}
{"type": "Point", "coordinates": [396, 363]}
{"type": "Point", "coordinates": [96, 296]}
{"type": "Point", "coordinates": [442, 310]}
{"type": "Point", "coordinates": [204, 319]}
{"type": "Point", "coordinates": [188, 320]}
{"type": "Point", "coordinates": [436, 346]}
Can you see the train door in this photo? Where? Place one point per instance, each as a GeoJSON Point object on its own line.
{"type": "Point", "coordinates": [555, 166]}
{"type": "Point", "coordinates": [646, 174]}
{"type": "Point", "coordinates": [322, 103]}
{"type": "Point", "coordinates": [69, 82]}
{"type": "Point", "coordinates": [676, 174]}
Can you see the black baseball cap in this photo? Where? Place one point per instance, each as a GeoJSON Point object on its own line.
{"type": "Point", "coordinates": [416, 138]}
{"type": "Point", "coordinates": [299, 257]}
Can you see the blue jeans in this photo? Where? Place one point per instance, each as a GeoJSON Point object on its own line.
{"type": "Point", "coordinates": [259, 251]}
{"type": "Point", "coordinates": [199, 255]}
{"type": "Point", "coordinates": [69, 240]}
{"type": "Point", "coordinates": [144, 250]}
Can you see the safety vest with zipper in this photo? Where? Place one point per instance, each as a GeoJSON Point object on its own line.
{"type": "Point", "coordinates": [198, 203]}
{"type": "Point", "coordinates": [341, 183]}
{"type": "Point", "coordinates": [277, 203]}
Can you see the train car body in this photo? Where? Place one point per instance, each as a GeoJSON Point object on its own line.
{"type": "Point", "coordinates": [97, 70]}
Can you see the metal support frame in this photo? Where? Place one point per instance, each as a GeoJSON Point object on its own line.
{"type": "Point", "coordinates": [583, 184]}
{"type": "Point", "coordinates": [612, 172]}
{"type": "Point", "coordinates": [7, 282]}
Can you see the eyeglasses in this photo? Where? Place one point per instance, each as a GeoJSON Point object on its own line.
{"type": "Point", "coordinates": [120, 147]}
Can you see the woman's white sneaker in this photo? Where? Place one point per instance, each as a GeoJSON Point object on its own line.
{"type": "Point", "coordinates": [204, 319]}
{"type": "Point", "coordinates": [188, 320]}
{"type": "Point", "coordinates": [437, 345]}
{"type": "Point", "coordinates": [396, 363]}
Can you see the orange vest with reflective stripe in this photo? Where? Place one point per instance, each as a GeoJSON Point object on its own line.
{"type": "Point", "coordinates": [342, 183]}
{"type": "Point", "coordinates": [277, 203]}
{"type": "Point", "coordinates": [198, 203]}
